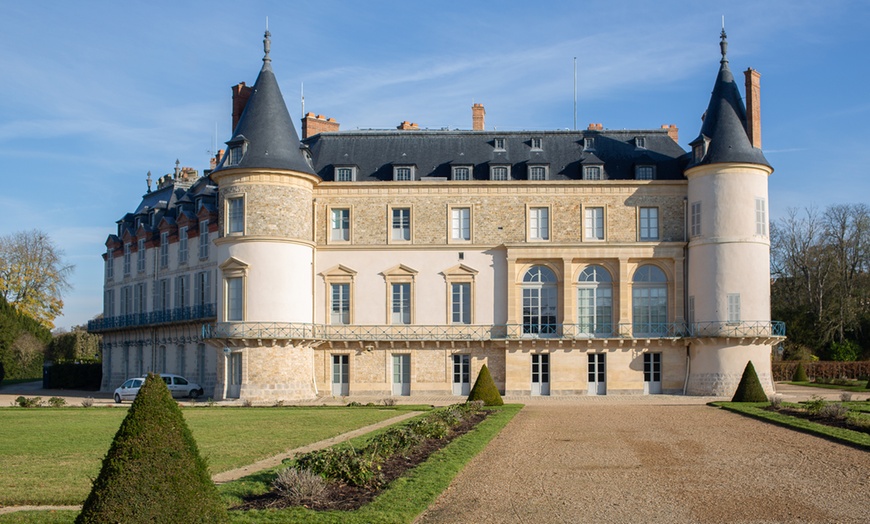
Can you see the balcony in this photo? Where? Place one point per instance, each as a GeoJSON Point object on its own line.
{"type": "Point", "coordinates": [154, 318]}
{"type": "Point", "coordinates": [339, 333]}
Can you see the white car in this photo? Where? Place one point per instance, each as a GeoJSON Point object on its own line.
{"type": "Point", "coordinates": [178, 386]}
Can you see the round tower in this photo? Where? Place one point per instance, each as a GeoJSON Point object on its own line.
{"type": "Point", "coordinates": [729, 244]}
{"type": "Point", "coordinates": [265, 253]}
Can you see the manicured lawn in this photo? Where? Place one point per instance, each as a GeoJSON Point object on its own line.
{"type": "Point", "coordinates": [49, 456]}
{"type": "Point", "coordinates": [856, 386]}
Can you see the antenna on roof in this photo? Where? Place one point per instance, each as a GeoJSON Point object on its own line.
{"type": "Point", "coordinates": [302, 94]}
{"type": "Point", "coordinates": [575, 93]}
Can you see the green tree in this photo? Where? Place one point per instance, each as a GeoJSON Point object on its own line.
{"type": "Point", "coordinates": [484, 389]}
{"type": "Point", "coordinates": [800, 374]}
{"type": "Point", "coordinates": [22, 343]}
{"type": "Point", "coordinates": [749, 389]}
{"type": "Point", "coordinates": [153, 471]}
{"type": "Point", "coordinates": [33, 274]}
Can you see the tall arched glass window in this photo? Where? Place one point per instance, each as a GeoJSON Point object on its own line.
{"type": "Point", "coordinates": [539, 301]}
{"type": "Point", "coordinates": [649, 301]}
{"type": "Point", "coordinates": [595, 302]}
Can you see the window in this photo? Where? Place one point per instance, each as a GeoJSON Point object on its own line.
{"type": "Point", "coordinates": [690, 314]}
{"type": "Point", "coordinates": [537, 172]}
{"type": "Point", "coordinates": [127, 250]}
{"type": "Point", "coordinates": [109, 303]}
{"type": "Point", "coordinates": [235, 299]}
{"type": "Point", "coordinates": [110, 264]}
{"type": "Point", "coordinates": [460, 224]}
{"type": "Point", "coordinates": [460, 303]}
{"type": "Point", "coordinates": [161, 362]}
{"type": "Point", "coordinates": [340, 225]}
{"type": "Point", "coordinates": [161, 294]}
{"type": "Point", "coordinates": [401, 224]}
{"type": "Point", "coordinates": [140, 256]}
{"type": "Point", "coordinates": [498, 144]}
{"type": "Point", "coordinates": [340, 308]}
{"type": "Point", "coordinates": [344, 174]}
{"type": "Point", "coordinates": [235, 215]}
{"type": "Point", "coordinates": [235, 155]}
{"type": "Point", "coordinates": [698, 151]}
{"type": "Point", "coordinates": [537, 143]}
{"type": "Point", "coordinates": [733, 308]}
{"type": "Point", "coordinates": [588, 143]}
{"type": "Point", "coordinates": [403, 173]}
{"type": "Point", "coordinates": [201, 291]}
{"type": "Point", "coordinates": [401, 303]}
{"type": "Point", "coordinates": [594, 226]}
{"type": "Point", "coordinates": [649, 223]}
{"type": "Point", "coordinates": [200, 364]}
{"type": "Point", "coordinates": [182, 245]}
{"type": "Point", "coordinates": [539, 223]}
{"type": "Point", "coordinates": [649, 301]}
{"type": "Point", "coordinates": [592, 173]}
{"type": "Point", "coordinates": [595, 302]}
{"type": "Point", "coordinates": [164, 249]}
{"type": "Point", "coordinates": [640, 142]}
{"type": "Point", "coordinates": [182, 284]}
{"type": "Point", "coordinates": [645, 172]}
{"type": "Point", "coordinates": [760, 217]}
{"type": "Point", "coordinates": [203, 239]}
{"type": "Point", "coordinates": [126, 300]}
{"type": "Point", "coordinates": [181, 360]}
{"type": "Point", "coordinates": [461, 173]}
{"type": "Point", "coordinates": [139, 298]}
{"type": "Point", "coordinates": [539, 301]}
{"type": "Point", "coordinates": [695, 221]}
{"type": "Point", "coordinates": [499, 173]}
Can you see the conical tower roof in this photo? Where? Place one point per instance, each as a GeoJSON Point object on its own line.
{"type": "Point", "coordinates": [724, 126]}
{"type": "Point", "coordinates": [265, 131]}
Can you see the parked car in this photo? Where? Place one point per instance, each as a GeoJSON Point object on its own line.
{"type": "Point", "coordinates": [178, 386]}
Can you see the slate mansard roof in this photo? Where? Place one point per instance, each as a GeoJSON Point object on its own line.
{"type": "Point", "coordinates": [434, 153]}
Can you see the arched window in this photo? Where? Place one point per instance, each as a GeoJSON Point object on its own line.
{"type": "Point", "coordinates": [595, 302]}
{"type": "Point", "coordinates": [539, 301]}
{"type": "Point", "coordinates": [649, 301]}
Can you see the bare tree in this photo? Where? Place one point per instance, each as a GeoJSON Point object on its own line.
{"type": "Point", "coordinates": [33, 274]}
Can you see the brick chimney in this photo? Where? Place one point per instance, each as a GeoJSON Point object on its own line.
{"type": "Point", "coordinates": [478, 117]}
{"type": "Point", "coordinates": [313, 125]}
{"type": "Point", "coordinates": [753, 106]}
{"type": "Point", "coordinates": [405, 126]}
{"type": "Point", "coordinates": [673, 132]}
{"type": "Point", "coordinates": [595, 127]}
{"type": "Point", "coordinates": [241, 94]}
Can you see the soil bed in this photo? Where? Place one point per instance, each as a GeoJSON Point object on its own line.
{"type": "Point", "coordinates": [821, 419]}
{"type": "Point", "coordinates": [341, 496]}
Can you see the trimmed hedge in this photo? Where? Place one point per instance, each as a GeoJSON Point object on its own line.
{"type": "Point", "coordinates": [749, 389]}
{"type": "Point", "coordinates": [153, 471]}
{"type": "Point", "coordinates": [484, 389]}
{"type": "Point", "coordinates": [800, 374]}
{"type": "Point", "coordinates": [73, 375]}
{"type": "Point", "coordinates": [784, 370]}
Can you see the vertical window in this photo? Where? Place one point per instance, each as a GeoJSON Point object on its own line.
{"type": "Point", "coordinates": [539, 301]}
{"type": "Point", "coordinates": [498, 173]}
{"type": "Point", "coordinates": [139, 298]}
{"type": "Point", "coordinates": [401, 224]}
{"type": "Point", "coordinates": [235, 155]}
{"type": "Point", "coordinates": [690, 314]}
{"type": "Point", "coordinates": [640, 142]}
{"type": "Point", "coordinates": [695, 221]}
{"type": "Point", "coordinates": [760, 217]}
{"type": "Point", "coordinates": [110, 264]}
{"type": "Point", "coordinates": [539, 223]}
{"type": "Point", "coordinates": [109, 304]}
{"type": "Point", "coordinates": [460, 303]}
{"type": "Point", "coordinates": [181, 292]}
{"type": "Point", "coordinates": [402, 173]}
{"type": "Point", "coordinates": [595, 302]}
{"type": "Point", "coordinates": [537, 173]}
{"type": "Point", "coordinates": [127, 256]}
{"type": "Point", "coordinates": [401, 303]}
{"type": "Point", "coordinates": [126, 301]}
{"type": "Point", "coordinates": [649, 301]}
{"type": "Point", "coordinates": [460, 223]}
{"type": "Point", "coordinates": [203, 239]}
{"type": "Point", "coordinates": [140, 256]}
{"type": "Point", "coordinates": [733, 307]}
{"type": "Point", "coordinates": [162, 293]}
{"type": "Point", "coordinates": [344, 174]}
{"type": "Point", "coordinates": [182, 245]}
{"type": "Point", "coordinates": [592, 173]}
{"type": "Point", "coordinates": [235, 299]}
{"type": "Point", "coordinates": [461, 173]}
{"type": "Point", "coordinates": [645, 172]}
{"type": "Point", "coordinates": [498, 144]}
{"type": "Point", "coordinates": [201, 291]}
{"type": "Point", "coordinates": [340, 225]}
{"type": "Point", "coordinates": [340, 308]}
{"type": "Point", "coordinates": [537, 143]}
{"type": "Point", "coordinates": [594, 227]}
{"type": "Point", "coordinates": [649, 223]}
{"type": "Point", "coordinates": [236, 215]}
{"type": "Point", "coordinates": [164, 249]}
{"type": "Point", "coordinates": [200, 364]}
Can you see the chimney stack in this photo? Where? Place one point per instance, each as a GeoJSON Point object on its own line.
{"type": "Point", "coordinates": [312, 125]}
{"type": "Point", "coordinates": [478, 117]}
{"type": "Point", "coordinates": [595, 127]}
{"type": "Point", "coordinates": [241, 94]}
{"type": "Point", "coordinates": [406, 126]}
{"type": "Point", "coordinates": [753, 106]}
{"type": "Point", "coordinates": [673, 132]}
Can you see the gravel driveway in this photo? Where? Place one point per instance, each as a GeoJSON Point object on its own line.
{"type": "Point", "coordinates": [638, 463]}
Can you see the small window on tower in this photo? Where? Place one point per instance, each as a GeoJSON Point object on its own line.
{"type": "Point", "coordinates": [235, 155]}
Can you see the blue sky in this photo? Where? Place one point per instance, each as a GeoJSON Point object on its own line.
{"type": "Point", "coordinates": [94, 94]}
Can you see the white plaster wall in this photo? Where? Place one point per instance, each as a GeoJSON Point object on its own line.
{"type": "Point", "coordinates": [717, 369]}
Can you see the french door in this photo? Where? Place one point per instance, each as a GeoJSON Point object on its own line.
{"type": "Point", "coordinates": [340, 375]}
{"type": "Point", "coordinates": [540, 374]}
{"type": "Point", "coordinates": [597, 374]}
{"type": "Point", "coordinates": [652, 373]}
{"type": "Point", "coordinates": [401, 375]}
{"type": "Point", "coordinates": [461, 374]}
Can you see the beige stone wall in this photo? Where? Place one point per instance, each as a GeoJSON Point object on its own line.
{"type": "Point", "coordinates": [277, 373]}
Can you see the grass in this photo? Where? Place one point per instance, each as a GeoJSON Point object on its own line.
{"type": "Point", "coordinates": [49, 456]}
{"type": "Point", "coordinates": [856, 386]}
{"type": "Point", "coordinates": [13, 381]}
{"type": "Point", "coordinates": [757, 410]}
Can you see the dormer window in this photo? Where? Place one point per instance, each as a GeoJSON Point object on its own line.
{"type": "Point", "coordinates": [537, 143]}
{"type": "Point", "coordinates": [645, 172]}
{"type": "Point", "coordinates": [499, 172]}
{"type": "Point", "coordinates": [236, 150]}
{"type": "Point", "coordinates": [593, 173]}
{"type": "Point", "coordinates": [640, 142]}
{"type": "Point", "coordinates": [345, 173]}
{"type": "Point", "coordinates": [537, 172]}
{"type": "Point", "coordinates": [403, 173]}
{"type": "Point", "coordinates": [461, 172]}
{"type": "Point", "coordinates": [588, 143]}
{"type": "Point", "coordinates": [698, 152]}
{"type": "Point", "coordinates": [498, 144]}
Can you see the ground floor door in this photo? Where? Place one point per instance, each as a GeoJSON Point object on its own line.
{"type": "Point", "coordinates": [234, 375]}
{"type": "Point", "coordinates": [461, 374]}
{"type": "Point", "coordinates": [401, 375]}
{"type": "Point", "coordinates": [652, 373]}
{"type": "Point", "coordinates": [340, 375]}
{"type": "Point", "coordinates": [597, 374]}
{"type": "Point", "coordinates": [540, 374]}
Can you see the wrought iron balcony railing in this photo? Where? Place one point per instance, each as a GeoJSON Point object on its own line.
{"type": "Point", "coordinates": [153, 318]}
{"type": "Point", "coordinates": [289, 331]}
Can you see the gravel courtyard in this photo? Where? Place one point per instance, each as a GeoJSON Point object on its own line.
{"type": "Point", "coordinates": [638, 463]}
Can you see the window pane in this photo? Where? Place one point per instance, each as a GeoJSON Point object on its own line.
{"type": "Point", "coordinates": [649, 223]}
{"type": "Point", "coordinates": [340, 304]}
{"type": "Point", "coordinates": [340, 224]}
{"type": "Point", "coordinates": [234, 299]}
{"type": "Point", "coordinates": [401, 303]}
{"type": "Point", "coordinates": [236, 212]}
{"type": "Point", "coordinates": [460, 223]}
{"type": "Point", "coordinates": [401, 224]}
{"type": "Point", "coordinates": [461, 303]}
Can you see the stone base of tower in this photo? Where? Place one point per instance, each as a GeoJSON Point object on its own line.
{"type": "Point", "coordinates": [716, 369]}
{"type": "Point", "coordinates": [267, 374]}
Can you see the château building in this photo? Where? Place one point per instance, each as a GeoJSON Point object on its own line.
{"type": "Point", "coordinates": [398, 262]}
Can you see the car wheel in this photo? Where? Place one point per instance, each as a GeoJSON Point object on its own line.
{"type": "Point", "coordinates": [117, 398]}
{"type": "Point", "coordinates": [194, 393]}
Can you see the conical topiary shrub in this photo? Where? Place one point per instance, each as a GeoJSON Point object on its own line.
{"type": "Point", "coordinates": [153, 471]}
{"type": "Point", "coordinates": [484, 389]}
{"type": "Point", "coordinates": [800, 374]}
{"type": "Point", "coordinates": [749, 389]}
